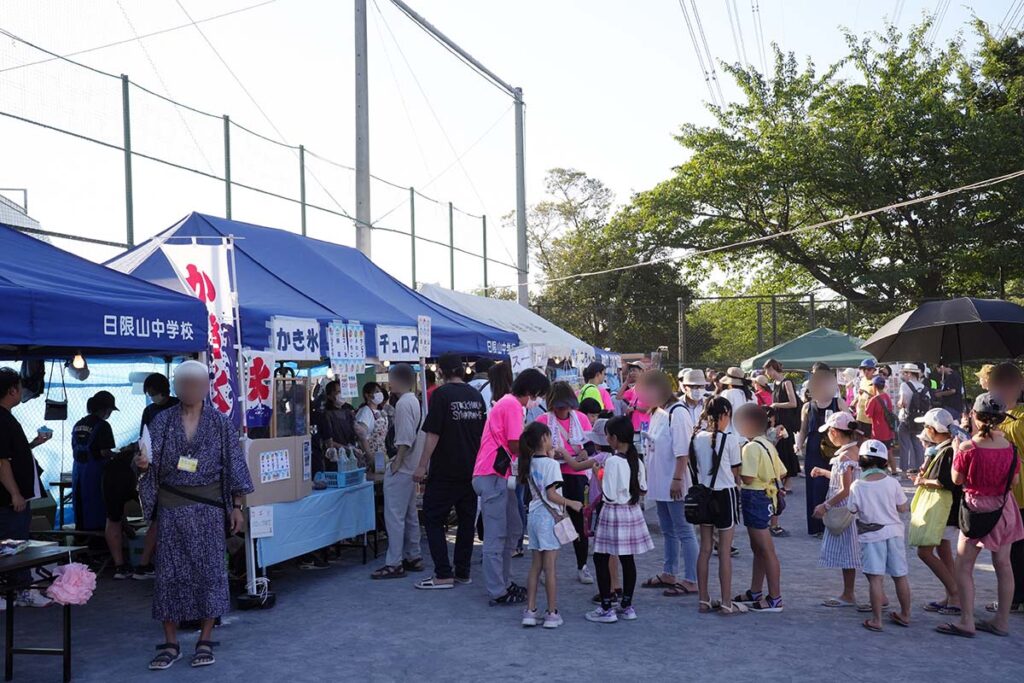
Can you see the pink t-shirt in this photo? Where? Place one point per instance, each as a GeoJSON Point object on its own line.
{"type": "Point", "coordinates": [985, 470]}
{"type": "Point", "coordinates": [566, 426]}
{"type": "Point", "coordinates": [639, 415]}
{"type": "Point", "coordinates": [504, 425]}
{"type": "Point", "coordinates": [606, 399]}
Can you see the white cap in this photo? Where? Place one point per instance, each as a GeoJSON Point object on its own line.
{"type": "Point", "coordinates": [694, 378]}
{"type": "Point", "coordinates": [597, 435]}
{"type": "Point", "coordinates": [938, 419]}
{"type": "Point", "coordinates": [762, 380]}
{"type": "Point", "coordinates": [875, 449]}
{"type": "Point", "coordinates": [910, 367]}
{"type": "Point", "coordinates": [191, 369]}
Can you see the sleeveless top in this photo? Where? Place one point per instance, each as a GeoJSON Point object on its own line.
{"type": "Point", "coordinates": [788, 417]}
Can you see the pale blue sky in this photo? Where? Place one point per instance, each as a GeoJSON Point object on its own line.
{"type": "Point", "coordinates": [606, 85]}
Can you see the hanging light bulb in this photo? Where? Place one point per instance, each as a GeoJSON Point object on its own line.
{"type": "Point", "coordinates": [78, 362]}
{"type": "Point", "coordinates": [78, 367]}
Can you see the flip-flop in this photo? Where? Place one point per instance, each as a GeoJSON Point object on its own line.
{"type": "Point", "coordinates": [868, 625]}
{"type": "Point", "coordinates": [989, 627]}
{"type": "Point", "coordinates": [657, 582]}
{"type": "Point", "coordinates": [677, 591]}
{"type": "Point", "coordinates": [431, 585]}
{"type": "Point", "coordinates": [935, 606]}
{"type": "Point", "coordinates": [709, 606]}
{"type": "Point", "coordinates": [953, 630]}
{"type": "Point", "coordinates": [866, 607]}
{"type": "Point", "coordinates": [836, 602]}
{"type": "Point", "coordinates": [951, 611]}
{"type": "Point", "coordinates": [733, 610]}
{"type": "Point", "coordinates": [895, 618]}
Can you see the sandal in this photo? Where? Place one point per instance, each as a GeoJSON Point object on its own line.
{"type": "Point", "coordinates": [950, 611]}
{"type": "Point", "coordinates": [708, 606]}
{"type": "Point", "coordinates": [169, 654]}
{"type": "Point", "coordinates": [836, 602]}
{"type": "Point", "coordinates": [871, 627]}
{"type": "Point", "coordinates": [432, 584]}
{"type": "Point", "coordinates": [413, 565]}
{"type": "Point", "coordinates": [204, 653]}
{"type": "Point", "coordinates": [677, 591]}
{"type": "Point", "coordinates": [989, 627]}
{"type": "Point", "coordinates": [895, 618]}
{"type": "Point", "coordinates": [747, 596]}
{"type": "Point", "coordinates": [953, 630]}
{"type": "Point", "coordinates": [733, 609]}
{"type": "Point", "coordinates": [935, 606]}
{"type": "Point", "coordinates": [388, 572]}
{"type": "Point", "coordinates": [657, 582]}
{"type": "Point", "coordinates": [778, 532]}
{"type": "Point", "coordinates": [866, 607]}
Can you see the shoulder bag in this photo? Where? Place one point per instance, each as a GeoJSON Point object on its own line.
{"type": "Point", "coordinates": [699, 504]}
{"type": "Point", "coordinates": [779, 504]}
{"type": "Point", "coordinates": [565, 532]}
{"type": "Point", "coordinates": [976, 524]}
{"type": "Point", "coordinates": [56, 410]}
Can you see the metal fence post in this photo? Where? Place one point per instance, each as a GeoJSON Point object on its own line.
{"type": "Point", "coordinates": [451, 242]}
{"type": "Point", "coordinates": [849, 318]}
{"type": "Point", "coordinates": [681, 322]}
{"type": "Point", "coordinates": [760, 329]}
{"type": "Point", "coordinates": [227, 166]}
{"type": "Point", "coordinates": [302, 186]}
{"type": "Point", "coordinates": [811, 312]}
{"type": "Point", "coordinates": [412, 231]}
{"type": "Point", "coordinates": [129, 205]}
{"type": "Point", "coordinates": [775, 321]}
{"type": "Point", "coordinates": [484, 221]}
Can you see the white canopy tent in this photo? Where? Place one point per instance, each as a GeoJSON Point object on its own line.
{"type": "Point", "coordinates": [511, 317]}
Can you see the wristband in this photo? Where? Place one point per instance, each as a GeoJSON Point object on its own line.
{"type": "Point", "coordinates": [677, 479]}
{"type": "Point", "coordinates": [237, 506]}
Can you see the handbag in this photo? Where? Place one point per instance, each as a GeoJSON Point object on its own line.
{"type": "Point", "coordinates": [976, 524]}
{"type": "Point", "coordinates": [929, 512]}
{"type": "Point", "coordinates": [55, 410]}
{"type": "Point", "coordinates": [699, 504]}
{"type": "Point", "coordinates": [565, 532]}
{"type": "Point", "coordinates": [838, 519]}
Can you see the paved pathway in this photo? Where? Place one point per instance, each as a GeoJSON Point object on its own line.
{"type": "Point", "coordinates": [336, 624]}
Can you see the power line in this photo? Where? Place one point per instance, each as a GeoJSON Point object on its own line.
{"type": "Point", "coordinates": [737, 32]}
{"type": "Point", "coordinates": [137, 37]}
{"type": "Point", "coordinates": [707, 51]}
{"type": "Point", "coordinates": [163, 84]}
{"type": "Point", "coordinates": [755, 11]}
{"type": "Point", "coordinates": [806, 228]}
{"type": "Point", "coordinates": [1012, 19]}
{"type": "Point", "coordinates": [897, 12]}
{"type": "Point", "coordinates": [937, 17]}
{"type": "Point", "coordinates": [700, 56]}
{"type": "Point", "coordinates": [252, 99]}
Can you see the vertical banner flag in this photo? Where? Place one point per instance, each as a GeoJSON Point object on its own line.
{"type": "Point", "coordinates": [259, 368]}
{"type": "Point", "coordinates": [203, 270]}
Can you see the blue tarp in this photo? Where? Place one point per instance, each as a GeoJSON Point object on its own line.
{"type": "Point", "coordinates": [53, 302]}
{"type": "Point", "coordinates": [282, 273]}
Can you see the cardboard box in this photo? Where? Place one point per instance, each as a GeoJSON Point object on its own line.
{"type": "Point", "coordinates": [273, 466]}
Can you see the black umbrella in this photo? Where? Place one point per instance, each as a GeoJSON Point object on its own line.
{"type": "Point", "coordinates": [956, 329]}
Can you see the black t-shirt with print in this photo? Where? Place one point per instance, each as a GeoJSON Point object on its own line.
{"type": "Point", "coordinates": [102, 439]}
{"type": "Point", "coordinates": [456, 415]}
{"type": "Point", "coordinates": [14, 447]}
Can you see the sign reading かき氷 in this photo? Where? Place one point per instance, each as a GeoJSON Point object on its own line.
{"type": "Point", "coordinates": [295, 338]}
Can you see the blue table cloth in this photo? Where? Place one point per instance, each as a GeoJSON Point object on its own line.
{"type": "Point", "coordinates": [318, 520]}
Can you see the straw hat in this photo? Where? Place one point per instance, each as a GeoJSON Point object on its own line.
{"type": "Point", "coordinates": [733, 376]}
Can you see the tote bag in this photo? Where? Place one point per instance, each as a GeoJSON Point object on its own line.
{"type": "Point", "coordinates": [929, 512]}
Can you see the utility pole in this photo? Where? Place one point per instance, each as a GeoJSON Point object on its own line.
{"type": "Point", "coordinates": [363, 217]}
{"type": "Point", "coordinates": [517, 97]}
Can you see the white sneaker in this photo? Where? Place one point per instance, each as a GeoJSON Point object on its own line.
{"type": "Point", "coordinates": [602, 617]}
{"type": "Point", "coordinates": [530, 617]}
{"type": "Point", "coordinates": [32, 598]}
{"type": "Point", "coordinates": [553, 620]}
{"type": "Point", "coordinates": [585, 576]}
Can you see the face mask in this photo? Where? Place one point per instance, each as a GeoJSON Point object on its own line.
{"type": "Point", "coordinates": [378, 398]}
{"type": "Point", "coordinates": [930, 451]}
{"type": "Point", "coordinates": [695, 393]}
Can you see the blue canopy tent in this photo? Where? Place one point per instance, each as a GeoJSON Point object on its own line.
{"type": "Point", "coordinates": [55, 304]}
{"type": "Point", "coordinates": [282, 273]}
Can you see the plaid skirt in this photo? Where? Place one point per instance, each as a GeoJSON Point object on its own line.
{"type": "Point", "coordinates": [621, 530]}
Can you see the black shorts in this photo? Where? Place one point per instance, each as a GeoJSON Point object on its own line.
{"type": "Point", "coordinates": [865, 427]}
{"type": "Point", "coordinates": [727, 508]}
{"type": "Point", "coordinates": [118, 489]}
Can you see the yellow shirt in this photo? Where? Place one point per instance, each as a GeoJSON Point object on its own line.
{"type": "Point", "coordinates": [1014, 430]}
{"type": "Point", "coordinates": [761, 461]}
{"type": "Point", "coordinates": [862, 398]}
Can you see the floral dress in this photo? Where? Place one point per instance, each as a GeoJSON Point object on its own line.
{"type": "Point", "coordinates": [842, 551]}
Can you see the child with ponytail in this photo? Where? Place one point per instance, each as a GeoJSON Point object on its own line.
{"type": "Point", "coordinates": [621, 528]}
{"type": "Point", "coordinates": [716, 460]}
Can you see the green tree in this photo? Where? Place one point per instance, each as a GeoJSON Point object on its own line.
{"type": "Point", "coordinates": [895, 120]}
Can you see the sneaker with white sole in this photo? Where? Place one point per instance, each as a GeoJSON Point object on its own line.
{"type": "Point", "coordinates": [553, 620]}
{"type": "Point", "coordinates": [602, 616]}
{"type": "Point", "coordinates": [628, 614]}
{"type": "Point", "coordinates": [123, 572]}
{"type": "Point", "coordinates": [530, 617]}
{"type": "Point", "coordinates": [585, 576]}
{"type": "Point", "coordinates": [32, 598]}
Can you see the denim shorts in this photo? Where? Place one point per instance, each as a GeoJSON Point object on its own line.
{"type": "Point", "coordinates": [884, 557]}
{"type": "Point", "coordinates": [756, 508]}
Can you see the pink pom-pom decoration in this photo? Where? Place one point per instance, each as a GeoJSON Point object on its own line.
{"type": "Point", "coordinates": [74, 584]}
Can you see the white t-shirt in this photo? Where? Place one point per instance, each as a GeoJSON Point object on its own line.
{"type": "Point", "coordinates": [875, 502]}
{"type": "Point", "coordinates": [705, 458]}
{"type": "Point", "coordinates": [667, 438]}
{"type": "Point", "coordinates": [544, 472]}
{"type": "Point", "coordinates": [615, 483]}
{"type": "Point", "coordinates": [484, 387]}
{"type": "Point", "coordinates": [365, 417]}
{"type": "Point", "coordinates": [737, 398]}
{"type": "Point", "coordinates": [906, 396]}
{"type": "Point", "coordinates": [407, 431]}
